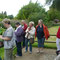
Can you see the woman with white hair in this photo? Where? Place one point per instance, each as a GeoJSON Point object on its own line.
{"type": "Point", "coordinates": [29, 35]}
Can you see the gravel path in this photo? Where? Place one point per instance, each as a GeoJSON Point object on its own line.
{"type": "Point", "coordinates": [49, 54]}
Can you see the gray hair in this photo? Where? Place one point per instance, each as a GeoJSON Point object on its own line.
{"type": "Point", "coordinates": [7, 21]}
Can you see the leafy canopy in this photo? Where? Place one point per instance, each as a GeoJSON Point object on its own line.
{"type": "Point", "coordinates": [55, 3]}
{"type": "Point", "coordinates": [32, 12]}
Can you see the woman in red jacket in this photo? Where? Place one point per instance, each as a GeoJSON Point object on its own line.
{"type": "Point", "coordinates": [58, 40]}
{"type": "Point", "coordinates": [41, 33]}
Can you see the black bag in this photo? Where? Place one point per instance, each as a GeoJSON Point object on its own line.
{"type": "Point", "coordinates": [1, 44]}
{"type": "Point", "coordinates": [31, 40]}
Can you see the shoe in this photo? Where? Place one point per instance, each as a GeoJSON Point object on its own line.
{"type": "Point", "coordinates": [38, 51]}
{"type": "Point", "coordinates": [25, 51]}
{"type": "Point", "coordinates": [41, 51]}
{"type": "Point", "coordinates": [17, 56]}
{"type": "Point", "coordinates": [30, 52]}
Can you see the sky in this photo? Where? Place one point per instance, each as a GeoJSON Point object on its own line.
{"type": "Point", "coordinates": [13, 6]}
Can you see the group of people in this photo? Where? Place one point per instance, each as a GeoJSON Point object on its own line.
{"type": "Point", "coordinates": [26, 35]}
{"type": "Point", "coordinates": [23, 35]}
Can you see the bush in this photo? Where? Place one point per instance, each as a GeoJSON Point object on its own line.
{"type": "Point", "coordinates": [1, 30]}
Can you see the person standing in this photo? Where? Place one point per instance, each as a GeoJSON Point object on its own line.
{"type": "Point", "coordinates": [41, 33]}
{"type": "Point", "coordinates": [29, 34]}
{"type": "Point", "coordinates": [8, 38]}
{"type": "Point", "coordinates": [58, 40]}
{"type": "Point", "coordinates": [24, 27]}
{"type": "Point", "coordinates": [19, 32]}
{"type": "Point", "coordinates": [58, 44]}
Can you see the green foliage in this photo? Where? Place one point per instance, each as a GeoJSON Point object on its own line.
{"type": "Point", "coordinates": [55, 4]}
{"type": "Point", "coordinates": [0, 19]}
{"type": "Point", "coordinates": [10, 16]}
{"type": "Point", "coordinates": [32, 12]}
{"type": "Point", "coordinates": [4, 15]}
{"type": "Point", "coordinates": [28, 9]}
{"type": "Point", "coordinates": [36, 16]}
{"type": "Point", "coordinates": [53, 14]}
{"type": "Point", "coordinates": [1, 30]}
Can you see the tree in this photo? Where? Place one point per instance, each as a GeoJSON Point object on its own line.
{"type": "Point", "coordinates": [26, 10]}
{"type": "Point", "coordinates": [53, 14]}
{"type": "Point", "coordinates": [55, 3]}
{"type": "Point", "coordinates": [3, 15]}
{"type": "Point", "coordinates": [36, 16]}
{"type": "Point", "coordinates": [32, 12]}
{"type": "Point", "coordinates": [10, 16]}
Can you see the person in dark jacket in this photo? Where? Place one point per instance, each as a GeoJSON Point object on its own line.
{"type": "Point", "coordinates": [19, 38]}
{"type": "Point", "coordinates": [41, 33]}
{"type": "Point", "coordinates": [24, 28]}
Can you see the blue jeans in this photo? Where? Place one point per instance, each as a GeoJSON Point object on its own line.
{"type": "Point", "coordinates": [41, 42]}
{"type": "Point", "coordinates": [19, 48]}
{"type": "Point", "coordinates": [26, 43]}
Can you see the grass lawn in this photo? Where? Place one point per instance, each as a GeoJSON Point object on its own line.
{"type": "Point", "coordinates": [2, 52]}
{"type": "Point", "coordinates": [52, 30]}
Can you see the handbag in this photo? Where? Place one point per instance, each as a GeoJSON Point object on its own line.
{"type": "Point", "coordinates": [31, 40]}
{"type": "Point", "coordinates": [1, 44]}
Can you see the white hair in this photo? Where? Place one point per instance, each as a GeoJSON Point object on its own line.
{"type": "Point", "coordinates": [31, 22]}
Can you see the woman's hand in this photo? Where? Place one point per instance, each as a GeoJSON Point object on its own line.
{"type": "Point", "coordinates": [0, 36]}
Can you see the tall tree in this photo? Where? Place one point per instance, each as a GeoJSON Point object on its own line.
{"type": "Point", "coordinates": [10, 16]}
{"type": "Point", "coordinates": [27, 10]}
{"type": "Point", "coordinates": [32, 12]}
{"type": "Point", "coordinates": [55, 3]}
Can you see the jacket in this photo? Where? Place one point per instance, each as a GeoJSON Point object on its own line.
{"type": "Point", "coordinates": [46, 32]}
{"type": "Point", "coordinates": [58, 33]}
{"type": "Point", "coordinates": [19, 34]}
{"type": "Point", "coordinates": [31, 33]}
{"type": "Point", "coordinates": [25, 27]}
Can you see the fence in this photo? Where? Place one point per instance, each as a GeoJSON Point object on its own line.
{"type": "Point", "coordinates": [49, 41]}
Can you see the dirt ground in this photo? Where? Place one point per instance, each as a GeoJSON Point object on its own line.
{"type": "Point", "coordinates": [49, 54]}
